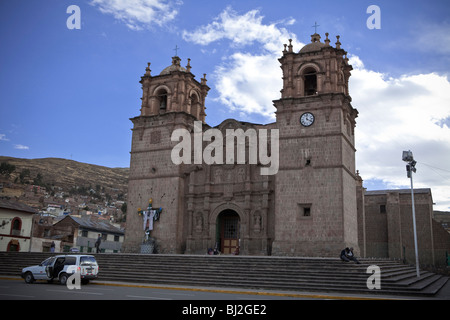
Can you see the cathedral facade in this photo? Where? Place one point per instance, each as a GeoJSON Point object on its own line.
{"type": "Point", "coordinates": [306, 207]}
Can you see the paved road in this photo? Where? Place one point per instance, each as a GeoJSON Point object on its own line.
{"type": "Point", "coordinates": [192, 303]}
{"type": "Point", "coordinates": [14, 288]}
{"type": "Point", "coordinates": [174, 303]}
{"type": "Point", "coordinates": [19, 290]}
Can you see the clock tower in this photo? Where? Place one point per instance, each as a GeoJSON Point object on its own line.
{"type": "Point", "coordinates": [315, 188]}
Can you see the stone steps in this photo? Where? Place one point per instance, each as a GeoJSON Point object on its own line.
{"type": "Point", "coordinates": [275, 273]}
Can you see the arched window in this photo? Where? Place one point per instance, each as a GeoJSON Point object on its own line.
{"type": "Point", "coordinates": [194, 98]}
{"type": "Point", "coordinates": [16, 226]}
{"type": "Point", "coordinates": [194, 105]}
{"type": "Point", "coordinates": [162, 97]}
{"type": "Point", "coordinates": [310, 81]}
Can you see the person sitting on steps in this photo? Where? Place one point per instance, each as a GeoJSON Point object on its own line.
{"type": "Point", "coordinates": [347, 255]}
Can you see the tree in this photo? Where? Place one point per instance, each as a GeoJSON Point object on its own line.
{"type": "Point", "coordinates": [6, 168]}
{"type": "Point", "coordinates": [38, 180]}
{"type": "Point", "coordinates": [124, 208]}
{"type": "Point", "coordinates": [25, 173]}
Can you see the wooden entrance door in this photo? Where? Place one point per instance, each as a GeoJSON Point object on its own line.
{"type": "Point", "coordinates": [230, 233]}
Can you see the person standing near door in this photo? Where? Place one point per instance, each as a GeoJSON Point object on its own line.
{"type": "Point", "coordinates": [98, 242]}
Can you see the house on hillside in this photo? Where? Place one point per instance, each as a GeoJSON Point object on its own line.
{"type": "Point", "coordinates": [42, 239]}
{"type": "Point", "coordinates": [82, 232]}
{"type": "Point", "coordinates": [15, 226]}
{"type": "Point", "coordinates": [55, 209]}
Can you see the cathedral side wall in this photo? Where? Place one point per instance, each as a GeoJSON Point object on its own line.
{"type": "Point", "coordinates": [389, 225]}
{"type": "Point", "coordinates": [376, 227]}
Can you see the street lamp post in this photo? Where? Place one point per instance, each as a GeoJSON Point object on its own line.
{"type": "Point", "coordinates": [410, 168]}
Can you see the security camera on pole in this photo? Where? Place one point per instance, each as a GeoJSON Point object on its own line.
{"type": "Point", "coordinates": [410, 168]}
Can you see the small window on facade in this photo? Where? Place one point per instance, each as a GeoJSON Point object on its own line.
{"type": "Point", "coordinates": [116, 238]}
{"type": "Point", "coordinates": [307, 212]}
{"type": "Point", "coordinates": [84, 233]}
{"type": "Point", "coordinates": [382, 208]}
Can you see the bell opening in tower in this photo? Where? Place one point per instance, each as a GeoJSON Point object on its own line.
{"type": "Point", "coordinates": [162, 100]}
{"type": "Point", "coordinates": [310, 83]}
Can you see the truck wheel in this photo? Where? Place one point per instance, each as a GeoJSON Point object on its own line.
{"type": "Point", "coordinates": [29, 277]}
{"type": "Point", "coordinates": [63, 278]}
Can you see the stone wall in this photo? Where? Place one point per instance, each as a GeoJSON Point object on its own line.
{"type": "Point", "coordinates": [388, 227]}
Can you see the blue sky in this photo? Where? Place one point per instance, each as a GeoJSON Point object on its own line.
{"type": "Point", "coordinates": [70, 93]}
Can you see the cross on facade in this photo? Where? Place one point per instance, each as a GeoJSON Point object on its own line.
{"type": "Point", "coordinates": [315, 26]}
{"type": "Point", "coordinates": [176, 50]}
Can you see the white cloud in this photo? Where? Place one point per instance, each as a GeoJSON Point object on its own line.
{"type": "Point", "coordinates": [139, 14]}
{"type": "Point", "coordinates": [3, 137]}
{"type": "Point", "coordinates": [242, 30]}
{"type": "Point", "coordinates": [21, 147]}
{"type": "Point", "coordinates": [404, 113]}
{"type": "Point", "coordinates": [249, 83]}
{"type": "Point", "coordinates": [245, 81]}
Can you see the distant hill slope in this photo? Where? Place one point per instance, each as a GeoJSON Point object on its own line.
{"type": "Point", "coordinates": [68, 173]}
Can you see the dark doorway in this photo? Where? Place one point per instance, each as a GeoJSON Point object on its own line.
{"type": "Point", "coordinates": [227, 232]}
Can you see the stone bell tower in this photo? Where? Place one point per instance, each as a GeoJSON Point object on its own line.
{"type": "Point", "coordinates": [173, 99]}
{"type": "Point", "coordinates": [315, 188]}
{"type": "Point", "coordinates": [174, 90]}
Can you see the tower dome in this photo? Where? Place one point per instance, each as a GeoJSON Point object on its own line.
{"type": "Point", "coordinates": [315, 44]}
{"type": "Point", "coordinates": [175, 66]}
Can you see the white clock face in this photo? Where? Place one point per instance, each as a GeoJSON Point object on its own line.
{"type": "Point", "coordinates": [307, 119]}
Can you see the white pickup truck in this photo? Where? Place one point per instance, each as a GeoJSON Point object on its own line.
{"type": "Point", "coordinates": [61, 267]}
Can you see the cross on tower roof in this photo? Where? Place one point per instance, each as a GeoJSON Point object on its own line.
{"type": "Point", "coordinates": [315, 26]}
{"type": "Point", "coordinates": [176, 50]}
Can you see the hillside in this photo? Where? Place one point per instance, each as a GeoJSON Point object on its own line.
{"type": "Point", "coordinates": [65, 175]}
